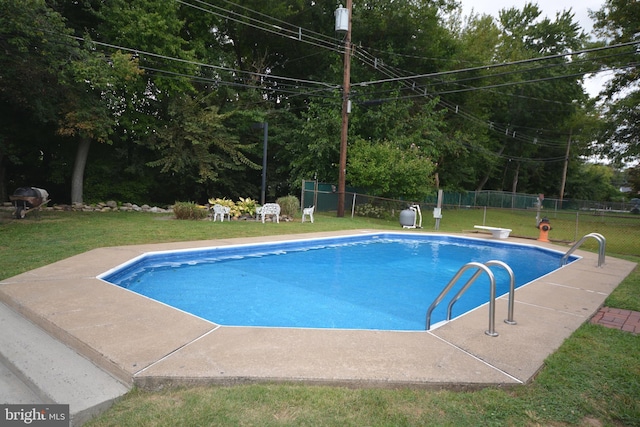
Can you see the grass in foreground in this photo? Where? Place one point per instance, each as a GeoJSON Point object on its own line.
{"type": "Point", "coordinates": [593, 379]}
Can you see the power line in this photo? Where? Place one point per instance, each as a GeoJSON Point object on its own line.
{"type": "Point", "coordinates": [297, 81]}
{"type": "Point", "coordinates": [285, 89]}
{"type": "Point", "coordinates": [503, 64]}
{"type": "Point", "coordinates": [293, 32]}
{"type": "Point", "coordinates": [455, 109]}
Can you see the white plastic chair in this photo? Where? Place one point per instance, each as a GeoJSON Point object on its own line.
{"type": "Point", "coordinates": [308, 211]}
{"type": "Point", "coordinates": [220, 211]}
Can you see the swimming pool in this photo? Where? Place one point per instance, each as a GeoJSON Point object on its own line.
{"type": "Point", "coordinates": [379, 281]}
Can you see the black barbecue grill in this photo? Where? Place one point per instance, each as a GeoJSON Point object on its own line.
{"type": "Point", "coordinates": [28, 199]}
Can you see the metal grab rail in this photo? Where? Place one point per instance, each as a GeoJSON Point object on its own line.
{"type": "Point", "coordinates": [512, 287]}
{"type": "Point", "coordinates": [492, 293]}
{"type": "Point", "coordinates": [512, 290]}
{"type": "Point", "coordinates": [602, 245]}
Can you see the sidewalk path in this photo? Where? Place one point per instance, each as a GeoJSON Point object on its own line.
{"type": "Point", "coordinates": [625, 320]}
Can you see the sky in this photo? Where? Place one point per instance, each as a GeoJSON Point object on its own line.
{"type": "Point", "coordinates": [549, 8]}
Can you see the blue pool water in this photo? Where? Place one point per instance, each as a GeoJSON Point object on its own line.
{"type": "Point", "coordinates": [381, 281]}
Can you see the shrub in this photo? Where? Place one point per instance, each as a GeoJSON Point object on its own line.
{"type": "Point", "coordinates": [371, 211]}
{"type": "Point", "coordinates": [233, 209]}
{"type": "Point", "coordinates": [289, 205]}
{"type": "Point", "coordinates": [189, 210]}
{"type": "Point", "coordinates": [246, 206]}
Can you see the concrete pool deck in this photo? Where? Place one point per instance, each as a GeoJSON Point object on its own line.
{"type": "Point", "coordinates": [140, 341]}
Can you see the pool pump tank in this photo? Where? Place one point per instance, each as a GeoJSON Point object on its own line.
{"type": "Point", "coordinates": [411, 217]}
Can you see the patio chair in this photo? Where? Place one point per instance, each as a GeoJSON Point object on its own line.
{"type": "Point", "coordinates": [220, 211]}
{"type": "Point", "coordinates": [270, 209]}
{"type": "Point", "coordinates": [308, 211]}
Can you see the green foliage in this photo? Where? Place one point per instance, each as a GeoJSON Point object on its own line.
{"type": "Point", "coordinates": [289, 205]}
{"type": "Point", "coordinates": [35, 48]}
{"type": "Point", "coordinates": [388, 170]}
{"type": "Point", "coordinates": [234, 210]}
{"type": "Point", "coordinates": [133, 191]}
{"type": "Point", "coordinates": [246, 206]}
{"type": "Point", "coordinates": [186, 122]}
{"type": "Point", "coordinates": [97, 92]}
{"type": "Point", "coordinates": [593, 182]}
{"type": "Point", "coordinates": [372, 211]}
{"type": "Point", "coordinates": [189, 210]}
{"type": "Point", "coordinates": [315, 148]}
{"type": "Point", "coordinates": [505, 158]}
{"type": "Point", "coordinates": [620, 135]}
{"type": "Point", "coordinates": [634, 178]}
{"type": "Point", "coordinates": [615, 23]}
{"type": "Point", "coordinates": [196, 142]}
{"type": "Point", "coordinates": [151, 26]}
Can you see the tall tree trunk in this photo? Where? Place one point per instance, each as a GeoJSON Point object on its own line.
{"type": "Point", "coordinates": [77, 179]}
{"type": "Point", "coordinates": [514, 184]}
{"type": "Point", "coordinates": [490, 170]}
{"type": "Point", "coordinates": [3, 184]}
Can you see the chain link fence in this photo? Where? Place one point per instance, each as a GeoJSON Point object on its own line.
{"type": "Point", "coordinates": [570, 219]}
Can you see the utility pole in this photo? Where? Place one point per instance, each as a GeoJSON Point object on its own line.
{"type": "Point", "coordinates": [346, 86]}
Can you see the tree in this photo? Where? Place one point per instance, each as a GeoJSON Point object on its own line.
{"type": "Point", "coordinates": [531, 103]}
{"type": "Point", "coordinates": [96, 98]}
{"type": "Point", "coordinates": [170, 91]}
{"type": "Point", "coordinates": [387, 170]}
{"type": "Point", "coordinates": [593, 182]}
{"type": "Point", "coordinates": [413, 129]}
{"type": "Point", "coordinates": [616, 23]}
{"type": "Point", "coordinates": [634, 179]}
{"type": "Point", "coordinates": [313, 151]}
{"type": "Point", "coordinates": [112, 96]}
{"type": "Point", "coordinates": [196, 141]}
{"type": "Point", "coordinates": [35, 48]}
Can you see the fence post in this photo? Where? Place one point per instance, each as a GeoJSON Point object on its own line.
{"type": "Point", "coordinates": [315, 192]}
{"type": "Point", "coordinates": [575, 238]}
{"type": "Point", "coordinates": [353, 206]}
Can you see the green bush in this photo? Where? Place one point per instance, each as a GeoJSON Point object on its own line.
{"type": "Point", "coordinates": [370, 211]}
{"type": "Point", "coordinates": [289, 205]}
{"type": "Point", "coordinates": [247, 206]}
{"type": "Point", "coordinates": [189, 210]}
{"type": "Point", "coordinates": [234, 210]}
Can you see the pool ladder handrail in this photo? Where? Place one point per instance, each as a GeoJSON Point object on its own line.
{"type": "Point", "coordinates": [492, 293]}
{"type": "Point", "coordinates": [602, 245]}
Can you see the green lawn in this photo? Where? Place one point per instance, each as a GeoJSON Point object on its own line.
{"type": "Point", "coordinates": [593, 379]}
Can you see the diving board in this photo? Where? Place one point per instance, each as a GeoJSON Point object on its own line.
{"type": "Point", "coordinates": [497, 232]}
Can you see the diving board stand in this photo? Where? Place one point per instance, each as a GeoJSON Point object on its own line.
{"type": "Point", "coordinates": [497, 232]}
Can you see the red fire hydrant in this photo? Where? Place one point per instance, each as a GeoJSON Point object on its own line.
{"type": "Point", "coordinates": [544, 226]}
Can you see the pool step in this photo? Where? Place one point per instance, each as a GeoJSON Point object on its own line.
{"type": "Point", "coordinates": [44, 370]}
